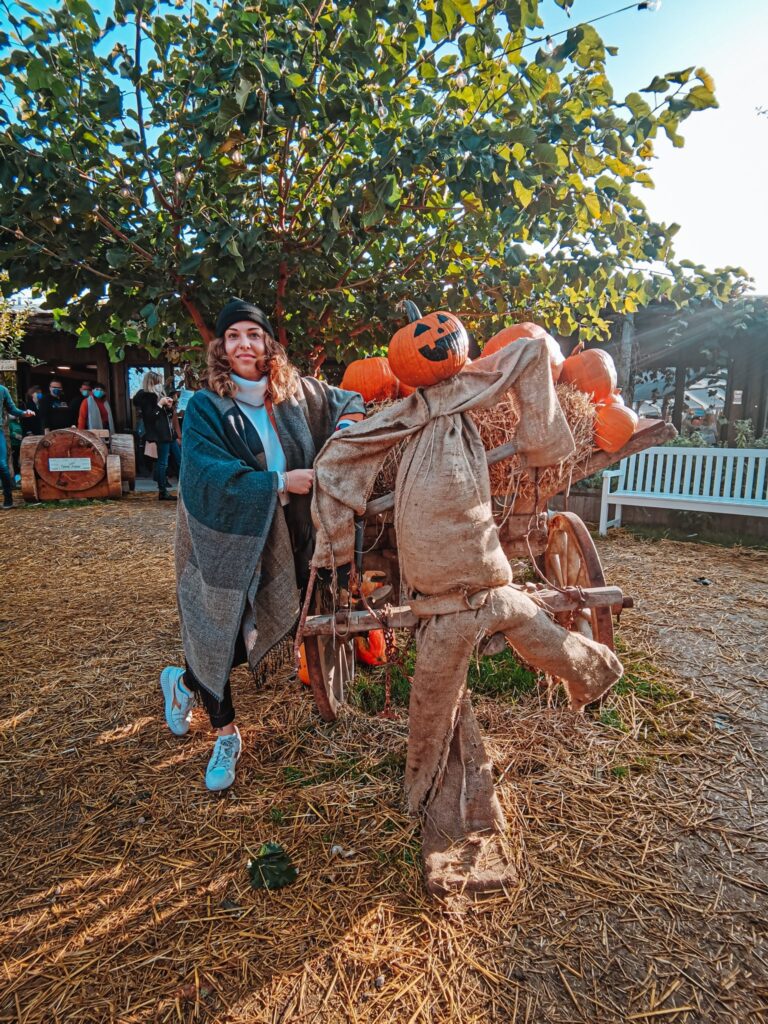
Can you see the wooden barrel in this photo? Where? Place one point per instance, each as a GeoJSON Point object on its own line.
{"type": "Point", "coordinates": [27, 464]}
{"type": "Point", "coordinates": [71, 460]}
{"type": "Point", "coordinates": [122, 446]}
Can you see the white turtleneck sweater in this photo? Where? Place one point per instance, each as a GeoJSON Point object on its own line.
{"type": "Point", "coordinates": [250, 397]}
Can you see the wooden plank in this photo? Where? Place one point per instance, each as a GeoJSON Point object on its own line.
{"type": "Point", "coordinates": [659, 469]}
{"type": "Point", "coordinates": [752, 462]}
{"type": "Point", "coordinates": [738, 477]}
{"type": "Point", "coordinates": [760, 489]}
{"type": "Point", "coordinates": [679, 463]}
{"type": "Point", "coordinates": [697, 468]}
{"type": "Point", "coordinates": [403, 618]}
{"type": "Point", "coordinates": [669, 465]}
{"type": "Point", "coordinates": [730, 463]}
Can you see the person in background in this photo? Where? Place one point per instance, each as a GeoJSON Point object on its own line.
{"type": "Point", "coordinates": [77, 401]}
{"type": "Point", "coordinates": [54, 412]}
{"type": "Point", "coordinates": [156, 410]}
{"type": "Point", "coordinates": [244, 535]}
{"type": "Point", "coordinates": [708, 429]}
{"type": "Point", "coordinates": [31, 424]}
{"type": "Point", "coordinates": [95, 412]}
{"type": "Point", "coordinates": [7, 405]}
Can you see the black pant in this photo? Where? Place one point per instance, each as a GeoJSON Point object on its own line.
{"type": "Point", "coordinates": [220, 712]}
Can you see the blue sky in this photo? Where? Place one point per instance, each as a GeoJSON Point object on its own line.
{"type": "Point", "coordinates": [716, 187]}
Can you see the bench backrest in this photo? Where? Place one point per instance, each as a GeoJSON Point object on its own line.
{"type": "Point", "coordinates": [725, 474]}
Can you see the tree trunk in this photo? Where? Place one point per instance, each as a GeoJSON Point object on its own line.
{"type": "Point", "coordinates": [197, 318]}
{"type": "Point", "coordinates": [677, 412]}
{"type": "Point", "coordinates": [626, 351]}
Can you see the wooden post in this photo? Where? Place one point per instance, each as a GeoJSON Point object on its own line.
{"type": "Point", "coordinates": [677, 412]}
{"type": "Point", "coordinates": [624, 363]}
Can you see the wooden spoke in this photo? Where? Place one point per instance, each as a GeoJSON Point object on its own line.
{"type": "Point", "coordinates": [571, 560]}
{"type": "Point", "coordinates": [330, 661]}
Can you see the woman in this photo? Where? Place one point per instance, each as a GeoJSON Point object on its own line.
{"type": "Point", "coordinates": [95, 411]}
{"type": "Point", "coordinates": [156, 409]}
{"type": "Point", "coordinates": [244, 534]}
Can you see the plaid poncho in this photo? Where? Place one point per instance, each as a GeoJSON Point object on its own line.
{"type": "Point", "coordinates": [234, 547]}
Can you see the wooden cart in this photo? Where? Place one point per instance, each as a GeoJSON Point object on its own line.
{"type": "Point", "coordinates": [558, 542]}
{"type": "Point", "coordinates": [71, 463]}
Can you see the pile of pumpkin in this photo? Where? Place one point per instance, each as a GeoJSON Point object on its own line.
{"type": "Point", "coordinates": [435, 347]}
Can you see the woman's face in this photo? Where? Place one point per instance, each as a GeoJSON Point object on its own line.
{"type": "Point", "coordinates": [245, 347]}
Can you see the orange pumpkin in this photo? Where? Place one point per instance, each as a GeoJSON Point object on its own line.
{"type": "Point", "coordinates": [429, 348]}
{"type": "Point", "coordinates": [614, 398]}
{"type": "Point", "coordinates": [303, 670]}
{"type": "Point", "coordinates": [527, 330]}
{"type": "Point", "coordinates": [591, 371]}
{"type": "Point", "coordinates": [371, 649]}
{"type": "Point", "coordinates": [614, 426]}
{"type": "Point", "coordinates": [372, 378]}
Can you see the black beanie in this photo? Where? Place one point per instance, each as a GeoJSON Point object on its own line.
{"type": "Point", "coordinates": [237, 310]}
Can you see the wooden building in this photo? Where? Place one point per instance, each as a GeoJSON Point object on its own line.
{"type": "Point", "coordinates": [62, 359]}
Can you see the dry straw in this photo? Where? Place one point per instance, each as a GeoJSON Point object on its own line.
{"type": "Point", "coordinates": [125, 896]}
{"type": "Point", "coordinates": [498, 426]}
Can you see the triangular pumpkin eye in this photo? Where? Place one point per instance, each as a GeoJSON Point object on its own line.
{"type": "Point", "coordinates": [442, 318]}
{"type": "Point", "coordinates": [420, 329]}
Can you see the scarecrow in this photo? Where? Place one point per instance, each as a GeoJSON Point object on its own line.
{"type": "Point", "coordinates": [458, 580]}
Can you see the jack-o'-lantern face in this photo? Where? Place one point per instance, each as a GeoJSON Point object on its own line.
{"type": "Point", "coordinates": [429, 349]}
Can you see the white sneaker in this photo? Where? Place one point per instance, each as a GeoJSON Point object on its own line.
{"type": "Point", "coordinates": [178, 700]}
{"type": "Point", "coordinates": [220, 773]}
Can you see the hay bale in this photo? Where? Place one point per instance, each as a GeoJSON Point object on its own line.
{"type": "Point", "coordinates": [498, 426]}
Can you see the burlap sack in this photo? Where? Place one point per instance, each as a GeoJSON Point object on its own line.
{"type": "Point", "coordinates": [451, 462]}
{"type": "Point", "coordinates": [446, 536]}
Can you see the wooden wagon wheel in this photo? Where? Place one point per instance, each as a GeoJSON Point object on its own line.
{"type": "Point", "coordinates": [571, 560]}
{"type": "Point", "coordinates": [122, 445]}
{"type": "Point", "coordinates": [330, 661]}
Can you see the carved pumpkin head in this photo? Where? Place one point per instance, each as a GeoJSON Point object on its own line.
{"type": "Point", "coordinates": [429, 349]}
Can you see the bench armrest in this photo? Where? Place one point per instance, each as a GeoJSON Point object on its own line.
{"type": "Point", "coordinates": [608, 476]}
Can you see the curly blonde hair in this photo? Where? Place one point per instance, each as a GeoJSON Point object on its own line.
{"type": "Point", "coordinates": [283, 376]}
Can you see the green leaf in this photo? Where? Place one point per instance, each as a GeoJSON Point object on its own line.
{"type": "Point", "coordinates": [658, 84]}
{"type": "Point", "coordinates": [117, 258]}
{"type": "Point", "coordinates": [524, 195]}
{"type": "Point", "coordinates": [190, 265]}
{"type": "Point", "coordinates": [637, 105]}
{"type": "Point", "coordinates": [271, 868]}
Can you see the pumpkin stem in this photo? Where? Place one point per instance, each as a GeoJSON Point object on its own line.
{"type": "Point", "coordinates": [410, 309]}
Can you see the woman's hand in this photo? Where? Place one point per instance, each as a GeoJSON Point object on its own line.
{"type": "Point", "coordinates": [299, 481]}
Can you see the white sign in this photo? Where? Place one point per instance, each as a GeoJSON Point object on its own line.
{"type": "Point", "coordinates": [738, 397]}
{"type": "Point", "coordinates": [7, 365]}
{"type": "Point", "coordinates": [69, 465]}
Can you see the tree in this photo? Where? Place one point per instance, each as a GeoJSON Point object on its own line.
{"type": "Point", "coordinates": [327, 160]}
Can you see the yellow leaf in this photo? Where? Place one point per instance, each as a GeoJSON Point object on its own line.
{"type": "Point", "coordinates": [524, 195]}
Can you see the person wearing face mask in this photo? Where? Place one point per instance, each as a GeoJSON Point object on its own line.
{"type": "Point", "coordinates": [80, 397]}
{"type": "Point", "coordinates": [54, 411]}
{"type": "Point", "coordinates": [31, 424]}
{"type": "Point", "coordinates": [95, 412]}
{"type": "Point", "coordinates": [7, 405]}
{"type": "Point", "coordinates": [244, 534]}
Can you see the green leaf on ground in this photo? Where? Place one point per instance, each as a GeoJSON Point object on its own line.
{"type": "Point", "coordinates": [272, 868]}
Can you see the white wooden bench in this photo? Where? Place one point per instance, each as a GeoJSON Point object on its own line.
{"type": "Point", "coordinates": [732, 480]}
